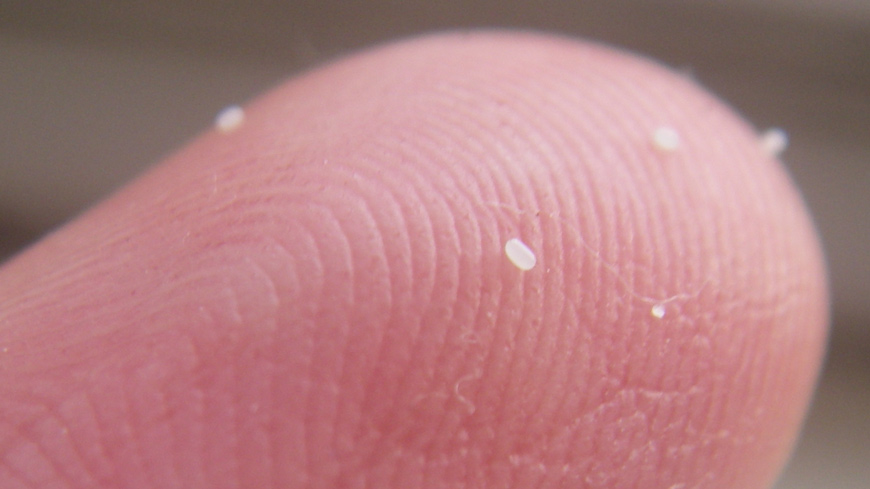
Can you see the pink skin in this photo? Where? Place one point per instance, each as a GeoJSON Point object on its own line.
{"type": "Point", "coordinates": [321, 298]}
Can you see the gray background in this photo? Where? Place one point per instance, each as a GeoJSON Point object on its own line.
{"type": "Point", "coordinates": [93, 91]}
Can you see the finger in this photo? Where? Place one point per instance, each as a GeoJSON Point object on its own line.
{"type": "Point", "coordinates": [470, 260]}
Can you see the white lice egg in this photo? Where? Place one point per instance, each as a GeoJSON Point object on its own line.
{"type": "Point", "coordinates": [229, 119]}
{"type": "Point", "coordinates": [520, 254]}
{"type": "Point", "coordinates": [774, 141]}
{"type": "Point", "coordinates": [666, 139]}
{"type": "Point", "coordinates": [658, 311]}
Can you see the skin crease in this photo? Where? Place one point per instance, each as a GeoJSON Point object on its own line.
{"type": "Point", "coordinates": [321, 298]}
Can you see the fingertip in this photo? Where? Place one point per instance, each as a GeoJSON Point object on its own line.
{"type": "Point", "coordinates": [471, 259]}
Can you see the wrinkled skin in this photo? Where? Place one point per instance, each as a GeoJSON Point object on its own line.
{"type": "Point", "coordinates": [321, 298]}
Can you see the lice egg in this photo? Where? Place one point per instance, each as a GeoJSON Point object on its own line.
{"type": "Point", "coordinates": [774, 141]}
{"type": "Point", "coordinates": [666, 139]}
{"type": "Point", "coordinates": [229, 119]}
{"type": "Point", "coordinates": [520, 254]}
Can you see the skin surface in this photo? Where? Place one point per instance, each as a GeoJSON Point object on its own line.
{"type": "Point", "coordinates": [321, 298]}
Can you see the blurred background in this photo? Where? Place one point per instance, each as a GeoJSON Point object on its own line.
{"type": "Point", "coordinates": [93, 91]}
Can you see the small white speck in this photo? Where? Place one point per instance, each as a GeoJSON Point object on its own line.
{"type": "Point", "coordinates": [774, 141]}
{"type": "Point", "coordinates": [520, 254]}
{"type": "Point", "coordinates": [229, 119]}
{"type": "Point", "coordinates": [658, 311]}
{"type": "Point", "coordinates": [666, 139]}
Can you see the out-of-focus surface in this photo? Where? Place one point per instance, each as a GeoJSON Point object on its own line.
{"type": "Point", "coordinates": [92, 92]}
